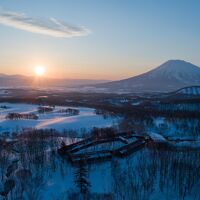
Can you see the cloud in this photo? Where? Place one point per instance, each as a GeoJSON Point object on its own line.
{"type": "Point", "coordinates": [48, 26]}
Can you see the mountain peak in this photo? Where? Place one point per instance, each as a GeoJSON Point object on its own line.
{"type": "Point", "coordinates": [169, 76]}
{"type": "Point", "coordinates": [178, 68]}
{"type": "Point", "coordinates": [176, 61]}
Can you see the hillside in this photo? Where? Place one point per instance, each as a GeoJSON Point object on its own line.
{"type": "Point", "coordinates": [172, 75]}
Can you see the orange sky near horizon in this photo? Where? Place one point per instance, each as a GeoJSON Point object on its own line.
{"type": "Point", "coordinates": [107, 40]}
{"type": "Point", "coordinates": [71, 71]}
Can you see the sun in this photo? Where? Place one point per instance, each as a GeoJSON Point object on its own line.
{"type": "Point", "coordinates": [39, 70]}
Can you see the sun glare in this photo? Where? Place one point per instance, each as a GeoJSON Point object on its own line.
{"type": "Point", "coordinates": [39, 70]}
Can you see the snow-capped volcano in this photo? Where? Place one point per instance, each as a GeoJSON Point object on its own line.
{"type": "Point", "coordinates": [172, 75]}
{"type": "Point", "coordinates": [178, 70]}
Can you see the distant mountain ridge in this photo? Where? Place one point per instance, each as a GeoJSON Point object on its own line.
{"type": "Point", "coordinates": [29, 81]}
{"type": "Point", "coordinates": [171, 75]}
{"type": "Point", "coordinates": [168, 77]}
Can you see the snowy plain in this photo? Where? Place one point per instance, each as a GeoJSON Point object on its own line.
{"type": "Point", "coordinates": [87, 119]}
{"type": "Point", "coordinates": [119, 177]}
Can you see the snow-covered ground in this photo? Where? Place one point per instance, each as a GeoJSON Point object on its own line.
{"type": "Point", "coordinates": [119, 176]}
{"type": "Point", "coordinates": [157, 137]}
{"type": "Point", "coordinates": [86, 119]}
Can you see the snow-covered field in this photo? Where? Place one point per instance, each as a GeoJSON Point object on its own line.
{"type": "Point", "coordinates": [86, 119]}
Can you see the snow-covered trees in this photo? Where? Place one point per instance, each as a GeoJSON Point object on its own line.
{"type": "Point", "coordinates": [81, 177]}
{"type": "Point", "coordinates": [16, 116]}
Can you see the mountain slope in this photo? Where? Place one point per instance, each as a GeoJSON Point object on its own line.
{"type": "Point", "coordinates": [172, 75]}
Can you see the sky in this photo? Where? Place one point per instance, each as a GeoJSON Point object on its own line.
{"type": "Point", "coordinates": [97, 39]}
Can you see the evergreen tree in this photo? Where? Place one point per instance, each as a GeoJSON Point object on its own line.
{"type": "Point", "coordinates": [81, 177]}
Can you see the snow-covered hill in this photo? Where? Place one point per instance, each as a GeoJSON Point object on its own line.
{"type": "Point", "coordinates": [172, 75]}
{"type": "Point", "coordinates": [193, 90]}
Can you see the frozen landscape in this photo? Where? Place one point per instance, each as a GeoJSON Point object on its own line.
{"type": "Point", "coordinates": [165, 155]}
{"type": "Point", "coordinates": [86, 119]}
{"type": "Point", "coordinates": [99, 100]}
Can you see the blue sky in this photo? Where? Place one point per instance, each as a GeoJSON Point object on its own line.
{"type": "Point", "coordinates": [127, 37]}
